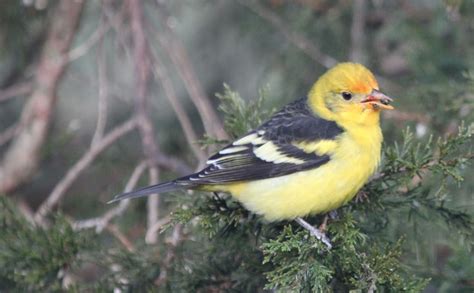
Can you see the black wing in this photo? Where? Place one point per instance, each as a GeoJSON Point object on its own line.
{"type": "Point", "coordinates": [270, 150]}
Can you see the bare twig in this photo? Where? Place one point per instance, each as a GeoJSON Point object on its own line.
{"type": "Point", "coordinates": [18, 89]}
{"type": "Point", "coordinates": [142, 60]}
{"type": "Point", "coordinates": [101, 222]}
{"type": "Point", "coordinates": [172, 164]}
{"type": "Point", "coordinates": [9, 133]}
{"type": "Point", "coordinates": [22, 156]}
{"type": "Point", "coordinates": [117, 23]}
{"type": "Point", "coordinates": [176, 238]}
{"type": "Point", "coordinates": [295, 38]}
{"type": "Point", "coordinates": [103, 94]}
{"type": "Point", "coordinates": [178, 55]}
{"type": "Point", "coordinates": [153, 204]}
{"type": "Point", "coordinates": [163, 76]}
{"type": "Point", "coordinates": [155, 228]}
{"type": "Point", "coordinates": [74, 172]}
{"type": "Point", "coordinates": [358, 39]}
{"type": "Point", "coordinates": [115, 231]}
{"type": "Point", "coordinates": [95, 37]}
{"type": "Point", "coordinates": [299, 40]}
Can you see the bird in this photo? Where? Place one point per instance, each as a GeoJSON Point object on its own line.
{"type": "Point", "coordinates": [311, 157]}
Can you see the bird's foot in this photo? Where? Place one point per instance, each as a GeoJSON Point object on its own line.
{"type": "Point", "coordinates": [315, 232]}
{"type": "Point", "coordinates": [324, 224]}
{"type": "Point", "coordinates": [333, 215]}
{"type": "Point", "coordinates": [361, 197]}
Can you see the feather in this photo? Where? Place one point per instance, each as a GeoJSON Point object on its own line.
{"type": "Point", "coordinates": [272, 149]}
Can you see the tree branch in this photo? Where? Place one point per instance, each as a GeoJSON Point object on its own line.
{"type": "Point", "coordinates": [63, 185]}
{"type": "Point", "coordinates": [115, 231]}
{"type": "Point", "coordinates": [176, 238]}
{"type": "Point", "coordinates": [153, 205]}
{"type": "Point", "coordinates": [21, 158]}
{"type": "Point", "coordinates": [103, 94]}
{"type": "Point", "coordinates": [142, 60]}
{"type": "Point", "coordinates": [18, 89]}
{"type": "Point", "coordinates": [162, 75]}
{"type": "Point", "coordinates": [101, 222]}
{"type": "Point", "coordinates": [295, 38]}
{"type": "Point", "coordinates": [178, 55]}
{"type": "Point", "coordinates": [93, 39]}
{"type": "Point", "coordinates": [358, 39]}
{"type": "Point", "coordinates": [9, 133]}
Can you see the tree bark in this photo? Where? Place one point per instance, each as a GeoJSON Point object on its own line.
{"type": "Point", "coordinates": [21, 158]}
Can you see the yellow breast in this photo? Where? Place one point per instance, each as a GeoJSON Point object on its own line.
{"type": "Point", "coordinates": [317, 190]}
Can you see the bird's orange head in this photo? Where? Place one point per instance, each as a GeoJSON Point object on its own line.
{"type": "Point", "coordinates": [348, 93]}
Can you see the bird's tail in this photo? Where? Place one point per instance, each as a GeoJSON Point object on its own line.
{"type": "Point", "coordinates": [158, 188]}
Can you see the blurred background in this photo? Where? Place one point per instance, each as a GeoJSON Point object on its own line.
{"type": "Point", "coordinates": [101, 96]}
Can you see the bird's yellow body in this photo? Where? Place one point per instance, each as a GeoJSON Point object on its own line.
{"type": "Point", "coordinates": [317, 190]}
{"type": "Point", "coordinates": [311, 157]}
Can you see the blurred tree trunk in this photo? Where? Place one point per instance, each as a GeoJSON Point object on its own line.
{"type": "Point", "coordinates": [21, 158]}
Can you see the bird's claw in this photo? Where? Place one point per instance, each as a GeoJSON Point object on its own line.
{"type": "Point", "coordinates": [361, 197]}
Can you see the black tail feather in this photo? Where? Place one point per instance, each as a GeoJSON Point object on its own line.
{"type": "Point", "coordinates": [158, 188]}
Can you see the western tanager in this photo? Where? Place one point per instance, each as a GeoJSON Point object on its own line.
{"type": "Point", "coordinates": [311, 157]}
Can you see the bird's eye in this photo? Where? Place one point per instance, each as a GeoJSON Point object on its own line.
{"type": "Point", "coordinates": [347, 96]}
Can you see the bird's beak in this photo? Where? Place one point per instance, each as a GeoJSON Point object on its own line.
{"type": "Point", "coordinates": [378, 100]}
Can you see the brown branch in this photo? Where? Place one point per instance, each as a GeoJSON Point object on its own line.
{"type": "Point", "coordinates": [101, 222]}
{"type": "Point", "coordinates": [178, 55]}
{"type": "Point", "coordinates": [21, 158]}
{"type": "Point", "coordinates": [142, 60]}
{"type": "Point", "coordinates": [299, 40]}
{"type": "Point", "coordinates": [358, 39]}
{"type": "Point", "coordinates": [172, 164]}
{"type": "Point", "coordinates": [115, 231]}
{"type": "Point", "coordinates": [116, 20]}
{"type": "Point", "coordinates": [157, 226]}
{"type": "Point", "coordinates": [93, 39]}
{"type": "Point", "coordinates": [163, 76]}
{"type": "Point", "coordinates": [153, 205]}
{"type": "Point", "coordinates": [161, 160]}
{"type": "Point", "coordinates": [9, 133]}
{"type": "Point", "coordinates": [102, 96]}
{"type": "Point", "coordinates": [295, 38]}
{"type": "Point", "coordinates": [73, 173]}
{"type": "Point", "coordinates": [176, 238]}
{"type": "Point", "coordinates": [18, 89]}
